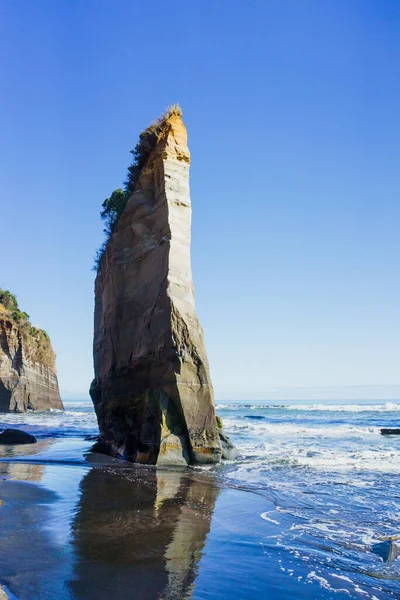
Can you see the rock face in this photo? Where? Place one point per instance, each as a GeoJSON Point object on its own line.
{"type": "Point", "coordinates": [387, 550]}
{"type": "Point", "coordinates": [152, 390]}
{"type": "Point", "coordinates": [25, 384]}
{"type": "Point", "coordinates": [229, 452]}
{"type": "Point", "coordinates": [16, 436]}
{"type": "Point", "coordinates": [395, 431]}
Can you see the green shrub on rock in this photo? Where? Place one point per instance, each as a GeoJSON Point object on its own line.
{"type": "Point", "coordinates": [36, 341]}
{"type": "Point", "coordinates": [114, 206]}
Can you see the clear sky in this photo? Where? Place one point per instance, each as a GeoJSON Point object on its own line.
{"type": "Point", "coordinates": [292, 109]}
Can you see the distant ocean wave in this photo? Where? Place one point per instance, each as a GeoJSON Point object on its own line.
{"type": "Point", "coordinates": [53, 423]}
{"type": "Point", "coordinates": [384, 407]}
{"type": "Point", "coordinates": [294, 430]}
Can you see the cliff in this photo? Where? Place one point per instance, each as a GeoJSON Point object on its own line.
{"type": "Point", "coordinates": [28, 377]}
{"type": "Point", "coordinates": [152, 390]}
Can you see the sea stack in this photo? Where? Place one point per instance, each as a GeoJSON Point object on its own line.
{"type": "Point", "coordinates": [152, 390]}
{"type": "Point", "coordinates": [28, 379]}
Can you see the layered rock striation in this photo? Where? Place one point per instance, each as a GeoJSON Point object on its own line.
{"type": "Point", "coordinates": [152, 390]}
{"type": "Point", "coordinates": [28, 379]}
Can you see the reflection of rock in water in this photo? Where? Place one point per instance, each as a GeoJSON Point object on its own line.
{"type": "Point", "coordinates": [23, 471]}
{"type": "Point", "coordinates": [184, 551]}
{"type": "Point", "coordinates": [140, 534]}
{"type": "Point", "coordinates": [20, 451]}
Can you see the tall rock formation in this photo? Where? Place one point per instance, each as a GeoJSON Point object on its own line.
{"type": "Point", "coordinates": [152, 390]}
{"type": "Point", "coordinates": [28, 379]}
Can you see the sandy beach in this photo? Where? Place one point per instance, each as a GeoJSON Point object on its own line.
{"type": "Point", "coordinates": [302, 513]}
{"type": "Point", "coordinates": [109, 530]}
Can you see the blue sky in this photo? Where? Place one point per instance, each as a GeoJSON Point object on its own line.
{"type": "Point", "coordinates": [294, 129]}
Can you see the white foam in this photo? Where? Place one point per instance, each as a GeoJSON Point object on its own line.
{"type": "Point", "coordinates": [312, 576]}
{"type": "Point", "coordinates": [267, 518]}
{"type": "Point", "coordinates": [292, 429]}
{"type": "Point", "coordinates": [360, 591]}
{"type": "Point", "coordinates": [52, 421]}
{"type": "Point", "coordinates": [342, 577]}
{"type": "Point", "coordinates": [336, 460]}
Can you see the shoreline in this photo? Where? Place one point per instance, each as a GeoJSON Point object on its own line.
{"type": "Point", "coordinates": [301, 514]}
{"type": "Point", "coordinates": [142, 529]}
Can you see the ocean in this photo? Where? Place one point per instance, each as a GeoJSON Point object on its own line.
{"type": "Point", "coordinates": [310, 509]}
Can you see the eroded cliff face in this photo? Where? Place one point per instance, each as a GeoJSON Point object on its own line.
{"type": "Point", "coordinates": [152, 390]}
{"type": "Point", "coordinates": [25, 383]}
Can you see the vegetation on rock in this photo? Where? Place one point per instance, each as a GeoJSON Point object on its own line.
{"type": "Point", "coordinates": [37, 345]}
{"type": "Point", "coordinates": [114, 206]}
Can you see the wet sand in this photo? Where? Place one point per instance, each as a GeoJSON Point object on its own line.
{"type": "Point", "coordinates": [88, 527]}
{"type": "Point", "coordinates": [94, 531]}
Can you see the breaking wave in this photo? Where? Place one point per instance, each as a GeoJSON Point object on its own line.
{"type": "Point", "coordinates": [384, 407]}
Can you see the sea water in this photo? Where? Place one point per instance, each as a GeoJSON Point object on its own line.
{"type": "Point", "coordinates": [306, 511]}
{"type": "Point", "coordinates": [334, 483]}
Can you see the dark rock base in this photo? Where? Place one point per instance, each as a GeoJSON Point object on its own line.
{"type": "Point", "coordinates": [16, 436]}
